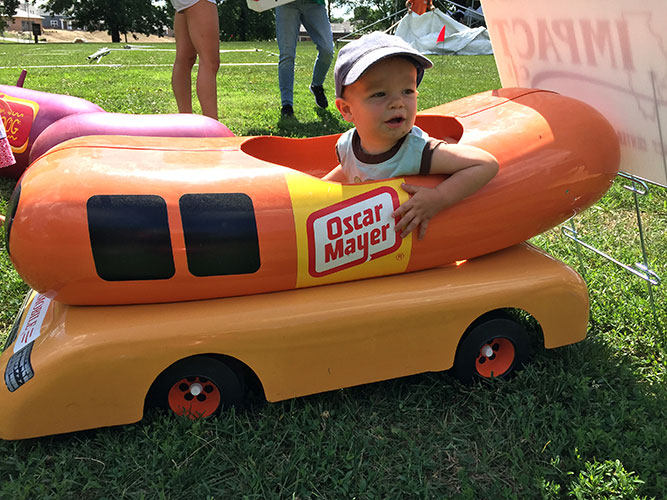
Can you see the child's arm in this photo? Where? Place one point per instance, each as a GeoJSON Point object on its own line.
{"type": "Point", "coordinates": [336, 175]}
{"type": "Point", "coordinates": [469, 169]}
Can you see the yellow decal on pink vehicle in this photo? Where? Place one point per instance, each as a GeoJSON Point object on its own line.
{"type": "Point", "coordinates": [18, 115]}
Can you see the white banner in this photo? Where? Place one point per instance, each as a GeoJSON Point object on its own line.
{"type": "Point", "coordinates": [611, 54]}
{"type": "Point", "coordinates": [434, 32]}
{"type": "Point", "coordinates": [262, 5]}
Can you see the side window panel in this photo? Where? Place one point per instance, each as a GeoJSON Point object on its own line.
{"type": "Point", "coordinates": [220, 234]}
{"type": "Point", "coordinates": [129, 236]}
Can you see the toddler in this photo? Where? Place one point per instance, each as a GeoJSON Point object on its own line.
{"type": "Point", "coordinates": [376, 81]}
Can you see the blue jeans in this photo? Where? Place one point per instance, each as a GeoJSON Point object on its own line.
{"type": "Point", "coordinates": [314, 18]}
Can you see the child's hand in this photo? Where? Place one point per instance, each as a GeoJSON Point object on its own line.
{"type": "Point", "coordinates": [418, 210]}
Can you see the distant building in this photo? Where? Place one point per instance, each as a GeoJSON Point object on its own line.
{"type": "Point", "coordinates": [24, 19]}
{"type": "Point", "coordinates": [56, 22]}
{"type": "Point", "coordinates": [28, 14]}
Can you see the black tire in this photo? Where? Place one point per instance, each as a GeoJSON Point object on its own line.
{"type": "Point", "coordinates": [199, 387]}
{"type": "Point", "coordinates": [494, 348]}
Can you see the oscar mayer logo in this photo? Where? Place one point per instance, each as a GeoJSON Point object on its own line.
{"type": "Point", "coordinates": [352, 232]}
{"type": "Point", "coordinates": [18, 116]}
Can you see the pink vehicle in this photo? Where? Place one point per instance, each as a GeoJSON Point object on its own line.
{"type": "Point", "coordinates": [36, 121]}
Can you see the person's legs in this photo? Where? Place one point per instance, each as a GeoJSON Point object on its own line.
{"type": "Point", "coordinates": [204, 32]}
{"type": "Point", "coordinates": [186, 55]}
{"type": "Point", "coordinates": [287, 33]}
{"type": "Point", "coordinates": [316, 22]}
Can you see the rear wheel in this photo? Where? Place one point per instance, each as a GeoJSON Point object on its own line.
{"type": "Point", "coordinates": [198, 387]}
{"type": "Point", "coordinates": [493, 348]}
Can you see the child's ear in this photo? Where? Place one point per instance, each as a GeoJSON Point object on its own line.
{"type": "Point", "coordinates": [344, 108]}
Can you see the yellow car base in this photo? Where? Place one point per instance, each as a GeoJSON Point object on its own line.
{"type": "Point", "coordinates": [69, 368]}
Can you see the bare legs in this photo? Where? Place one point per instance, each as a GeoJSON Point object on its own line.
{"type": "Point", "coordinates": [197, 34]}
{"type": "Point", "coordinates": [186, 55]}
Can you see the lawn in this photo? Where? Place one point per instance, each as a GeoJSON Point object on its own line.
{"type": "Point", "coordinates": [585, 421]}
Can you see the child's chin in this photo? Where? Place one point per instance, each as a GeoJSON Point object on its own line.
{"type": "Point", "coordinates": [398, 131]}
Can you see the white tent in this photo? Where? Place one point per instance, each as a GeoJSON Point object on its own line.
{"type": "Point", "coordinates": [434, 32]}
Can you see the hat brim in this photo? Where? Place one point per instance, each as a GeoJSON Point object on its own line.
{"type": "Point", "coordinates": [374, 56]}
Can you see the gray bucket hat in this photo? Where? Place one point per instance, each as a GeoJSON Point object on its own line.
{"type": "Point", "coordinates": [359, 55]}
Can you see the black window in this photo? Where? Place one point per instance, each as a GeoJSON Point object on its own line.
{"type": "Point", "coordinates": [220, 234]}
{"type": "Point", "coordinates": [129, 236]}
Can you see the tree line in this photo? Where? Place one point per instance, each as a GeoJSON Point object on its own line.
{"type": "Point", "coordinates": [237, 21]}
{"type": "Point", "coordinates": [7, 10]}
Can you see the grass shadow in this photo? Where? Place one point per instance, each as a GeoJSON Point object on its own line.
{"type": "Point", "coordinates": [327, 124]}
{"type": "Point", "coordinates": [570, 408]}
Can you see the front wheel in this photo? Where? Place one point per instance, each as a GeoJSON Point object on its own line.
{"type": "Point", "coordinates": [198, 387]}
{"type": "Point", "coordinates": [493, 348]}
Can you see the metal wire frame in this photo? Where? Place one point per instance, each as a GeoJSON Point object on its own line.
{"type": "Point", "coordinates": [353, 34]}
{"type": "Point", "coordinates": [639, 187]}
{"type": "Point", "coordinates": [642, 270]}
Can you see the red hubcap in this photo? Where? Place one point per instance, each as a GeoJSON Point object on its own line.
{"type": "Point", "coordinates": [495, 358]}
{"type": "Point", "coordinates": [196, 397]}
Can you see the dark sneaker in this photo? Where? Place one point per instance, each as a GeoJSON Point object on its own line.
{"type": "Point", "coordinates": [320, 98]}
{"type": "Point", "coordinates": [287, 111]}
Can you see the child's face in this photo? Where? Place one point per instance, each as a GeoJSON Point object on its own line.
{"type": "Point", "coordinates": [382, 104]}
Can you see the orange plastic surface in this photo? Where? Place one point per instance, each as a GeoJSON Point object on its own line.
{"type": "Point", "coordinates": [420, 6]}
{"type": "Point", "coordinates": [93, 366]}
{"type": "Point", "coordinates": [557, 156]}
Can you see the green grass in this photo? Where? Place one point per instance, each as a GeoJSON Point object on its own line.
{"type": "Point", "coordinates": [585, 421]}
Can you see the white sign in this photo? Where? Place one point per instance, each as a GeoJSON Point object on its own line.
{"type": "Point", "coordinates": [611, 54]}
{"type": "Point", "coordinates": [32, 324]}
{"type": "Point", "coordinates": [262, 5]}
{"type": "Point", "coordinates": [352, 232]}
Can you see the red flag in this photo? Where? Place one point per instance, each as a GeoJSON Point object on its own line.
{"type": "Point", "coordinates": [441, 36]}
